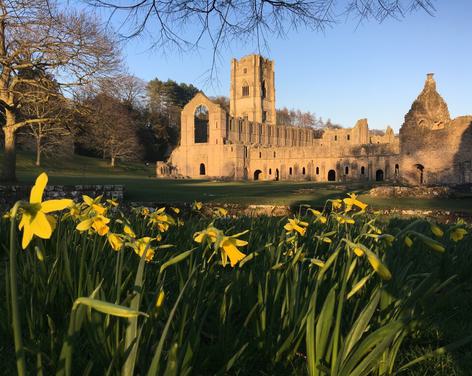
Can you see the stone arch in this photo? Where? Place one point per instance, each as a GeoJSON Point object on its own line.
{"type": "Point", "coordinates": [397, 169]}
{"type": "Point", "coordinates": [346, 170]}
{"type": "Point", "coordinates": [201, 120]}
{"type": "Point", "coordinates": [331, 175]}
{"type": "Point", "coordinates": [290, 171]}
{"type": "Point", "coordinates": [202, 169]}
{"type": "Point", "coordinates": [257, 174]}
{"type": "Point", "coordinates": [303, 171]}
{"type": "Point", "coordinates": [317, 170]}
{"type": "Point", "coordinates": [362, 170]}
{"type": "Point", "coordinates": [379, 175]}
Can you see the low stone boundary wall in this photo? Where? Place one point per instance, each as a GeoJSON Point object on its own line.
{"type": "Point", "coordinates": [12, 193]}
{"type": "Point", "coordinates": [416, 192]}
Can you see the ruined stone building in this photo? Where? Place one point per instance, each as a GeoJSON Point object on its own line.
{"type": "Point", "coordinates": [247, 142]}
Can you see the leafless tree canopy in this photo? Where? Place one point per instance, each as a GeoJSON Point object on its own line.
{"type": "Point", "coordinates": [186, 23]}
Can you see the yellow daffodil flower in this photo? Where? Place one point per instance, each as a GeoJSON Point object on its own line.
{"type": "Point", "coordinates": [144, 212]}
{"type": "Point", "coordinates": [35, 219]}
{"type": "Point", "coordinates": [175, 210]}
{"type": "Point", "coordinates": [160, 299]}
{"type": "Point", "coordinates": [144, 245]}
{"type": "Point", "coordinates": [128, 231]}
{"type": "Point", "coordinates": [197, 205]}
{"type": "Point", "coordinates": [336, 204]}
{"type": "Point", "coordinates": [353, 201]}
{"type": "Point", "coordinates": [295, 225]}
{"type": "Point", "coordinates": [161, 220]}
{"type": "Point", "coordinates": [343, 219]}
{"type": "Point", "coordinates": [98, 223]}
{"type": "Point", "coordinates": [436, 230]}
{"type": "Point", "coordinates": [373, 259]}
{"type": "Point", "coordinates": [319, 216]}
{"type": "Point", "coordinates": [112, 202]}
{"type": "Point", "coordinates": [220, 212]}
{"type": "Point", "coordinates": [228, 245]}
{"type": "Point", "coordinates": [115, 240]}
{"type": "Point", "coordinates": [458, 234]}
{"type": "Point", "coordinates": [408, 241]}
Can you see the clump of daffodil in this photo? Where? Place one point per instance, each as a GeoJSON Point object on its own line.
{"type": "Point", "coordinates": [458, 234]}
{"type": "Point", "coordinates": [35, 217]}
{"type": "Point", "coordinates": [319, 216]}
{"type": "Point", "coordinates": [92, 216]}
{"type": "Point", "coordinates": [161, 220]}
{"type": "Point", "coordinates": [295, 225]}
{"type": "Point", "coordinates": [351, 201]}
{"type": "Point", "coordinates": [226, 244]}
{"type": "Point", "coordinates": [98, 224]}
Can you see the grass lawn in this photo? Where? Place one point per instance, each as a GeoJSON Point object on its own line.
{"type": "Point", "coordinates": [140, 185]}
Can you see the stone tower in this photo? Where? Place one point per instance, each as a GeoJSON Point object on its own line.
{"type": "Point", "coordinates": [252, 93]}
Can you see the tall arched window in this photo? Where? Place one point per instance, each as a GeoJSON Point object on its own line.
{"type": "Point", "coordinates": [245, 90]}
{"type": "Point", "coordinates": [202, 169]}
{"type": "Point", "coordinates": [362, 170]}
{"type": "Point", "coordinates": [201, 124]}
{"type": "Point", "coordinates": [317, 171]}
{"type": "Point", "coordinates": [346, 170]}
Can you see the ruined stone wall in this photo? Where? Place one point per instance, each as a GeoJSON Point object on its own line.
{"type": "Point", "coordinates": [435, 149]}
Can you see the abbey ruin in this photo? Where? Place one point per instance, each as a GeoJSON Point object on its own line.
{"type": "Point", "coordinates": [248, 143]}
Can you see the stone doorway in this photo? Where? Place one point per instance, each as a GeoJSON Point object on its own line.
{"type": "Point", "coordinates": [420, 169]}
{"type": "Point", "coordinates": [202, 169]}
{"type": "Point", "coordinates": [257, 173]}
{"type": "Point", "coordinates": [331, 175]}
{"type": "Point", "coordinates": [379, 175]}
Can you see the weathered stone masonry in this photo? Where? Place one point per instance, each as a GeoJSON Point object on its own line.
{"type": "Point", "coordinates": [247, 143]}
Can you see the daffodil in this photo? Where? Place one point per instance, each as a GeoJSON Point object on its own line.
{"type": "Point", "coordinates": [128, 231]}
{"type": "Point", "coordinates": [353, 201]}
{"type": "Point", "coordinates": [35, 219]}
{"type": "Point", "coordinates": [319, 216]}
{"type": "Point", "coordinates": [175, 210]}
{"type": "Point", "coordinates": [98, 223]}
{"type": "Point", "coordinates": [145, 212]}
{"type": "Point", "coordinates": [94, 205]}
{"type": "Point", "coordinates": [344, 219]}
{"type": "Point", "coordinates": [144, 245]}
{"type": "Point", "coordinates": [161, 220]}
{"type": "Point", "coordinates": [458, 234]}
{"type": "Point", "coordinates": [227, 245]}
{"type": "Point", "coordinates": [408, 241]}
{"type": "Point", "coordinates": [220, 212]}
{"type": "Point", "coordinates": [295, 225]}
{"type": "Point", "coordinates": [336, 204]}
{"type": "Point", "coordinates": [197, 205]}
{"type": "Point", "coordinates": [373, 259]}
{"type": "Point", "coordinates": [436, 230]}
{"type": "Point", "coordinates": [115, 240]}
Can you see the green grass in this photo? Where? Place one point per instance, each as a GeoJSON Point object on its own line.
{"type": "Point", "coordinates": [140, 185]}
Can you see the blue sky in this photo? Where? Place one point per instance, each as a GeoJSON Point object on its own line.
{"type": "Point", "coordinates": [347, 72]}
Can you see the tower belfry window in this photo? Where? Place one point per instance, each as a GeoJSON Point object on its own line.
{"type": "Point", "coordinates": [245, 91]}
{"type": "Point", "coordinates": [263, 90]}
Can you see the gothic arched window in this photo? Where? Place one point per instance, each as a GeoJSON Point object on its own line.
{"type": "Point", "coordinates": [201, 124]}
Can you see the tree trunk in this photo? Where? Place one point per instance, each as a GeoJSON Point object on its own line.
{"type": "Point", "coordinates": [112, 162]}
{"type": "Point", "coordinates": [9, 157]}
{"type": "Point", "coordinates": [38, 151]}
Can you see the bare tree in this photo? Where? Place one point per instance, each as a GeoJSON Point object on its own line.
{"type": "Point", "coordinates": [220, 22]}
{"type": "Point", "coordinates": [111, 130]}
{"type": "Point", "coordinates": [51, 135]}
{"type": "Point", "coordinates": [38, 41]}
{"type": "Point", "coordinates": [126, 87]}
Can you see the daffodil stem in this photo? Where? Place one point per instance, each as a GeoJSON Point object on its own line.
{"type": "Point", "coordinates": [16, 322]}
